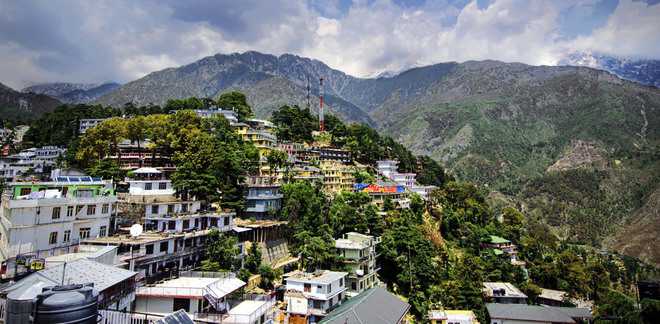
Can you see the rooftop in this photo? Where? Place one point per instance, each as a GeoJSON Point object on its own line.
{"type": "Point", "coordinates": [494, 239]}
{"type": "Point", "coordinates": [77, 272]}
{"type": "Point", "coordinates": [523, 312]}
{"type": "Point", "coordinates": [348, 244]}
{"type": "Point", "coordinates": [375, 305]}
{"type": "Point", "coordinates": [323, 276]}
{"type": "Point", "coordinates": [194, 287]}
{"type": "Point", "coordinates": [509, 289]}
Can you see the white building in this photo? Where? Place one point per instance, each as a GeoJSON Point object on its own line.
{"type": "Point", "coordinates": [359, 252]}
{"type": "Point", "coordinates": [42, 219]}
{"type": "Point", "coordinates": [388, 168]}
{"type": "Point", "coordinates": [88, 123]}
{"type": "Point", "coordinates": [230, 115]}
{"type": "Point", "coordinates": [200, 294]}
{"type": "Point", "coordinates": [263, 198]}
{"type": "Point", "coordinates": [314, 294]}
{"type": "Point", "coordinates": [32, 160]}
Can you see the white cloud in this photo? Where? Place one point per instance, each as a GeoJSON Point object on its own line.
{"type": "Point", "coordinates": [123, 40]}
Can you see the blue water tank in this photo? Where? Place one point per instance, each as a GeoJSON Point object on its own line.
{"type": "Point", "coordinates": [67, 304]}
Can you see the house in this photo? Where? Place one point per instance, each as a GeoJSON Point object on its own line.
{"type": "Point", "coordinates": [452, 317]}
{"type": "Point", "coordinates": [263, 197]}
{"type": "Point", "coordinates": [32, 161]}
{"type": "Point", "coordinates": [47, 218]}
{"type": "Point", "coordinates": [389, 169]}
{"type": "Point", "coordinates": [158, 254]}
{"type": "Point", "coordinates": [311, 295]}
{"type": "Point", "coordinates": [116, 286]}
{"type": "Point", "coordinates": [503, 292]}
{"type": "Point", "coordinates": [359, 253]}
{"type": "Point", "coordinates": [88, 123]}
{"type": "Point", "coordinates": [551, 297]}
{"type": "Point", "coordinates": [375, 305]}
{"type": "Point", "coordinates": [501, 245]}
{"type": "Point", "coordinates": [193, 292]}
{"type": "Point", "coordinates": [385, 190]}
{"type": "Point", "coordinates": [532, 314]}
{"type": "Point", "coordinates": [337, 176]}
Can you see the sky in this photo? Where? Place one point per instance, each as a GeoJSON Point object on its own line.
{"type": "Point", "coordinates": [122, 40]}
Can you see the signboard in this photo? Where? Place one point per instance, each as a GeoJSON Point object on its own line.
{"type": "Point", "coordinates": [37, 264]}
{"type": "Point", "coordinates": [374, 188]}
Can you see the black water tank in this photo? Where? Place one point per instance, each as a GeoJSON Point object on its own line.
{"type": "Point", "coordinates": [67, 304]}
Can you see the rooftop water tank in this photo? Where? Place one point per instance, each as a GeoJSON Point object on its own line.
{"type": "Point", "coordinates": [67, 304]}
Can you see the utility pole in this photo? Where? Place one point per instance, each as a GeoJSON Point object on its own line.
{"type": "Point", "coordinates": [321, 117]}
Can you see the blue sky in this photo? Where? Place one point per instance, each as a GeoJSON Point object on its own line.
{"type": "Point", "coordinates": [121, 40]}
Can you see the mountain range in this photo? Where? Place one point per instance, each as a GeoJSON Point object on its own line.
{"type": "Point", "coordinates": [576, 147]}
{"type": "Point", "coordinates": [644, 71]}
{"type": "Point", "coordinates": [73, 93]}
{"type": "Point", "coordinates": [23, 107]}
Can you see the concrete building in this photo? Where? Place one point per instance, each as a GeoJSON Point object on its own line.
{"type": "Point", "coordinates": [375, 305]}
{"type": "Point", "coordinates": [263, 198]}
{"type": "Point", "coordinates": [158, 254]}
{"type": "Point", "coordinates": [116, 286]}
{"type": "Point", "coordinates": [326, 153]}
{"type": "Point", "coordinates": [503, 292]}
{"type": "Point", "coordinates": [384, 190]}
{"type": "Point", "coordinates": [359, 252]}
{"type": "Point", "coordinates": [102, 254]}
{"type": "Point", "coordinates": [337, 176]}
{"type": "Point", "coordinates": [133, 155]}
{"type": "Point", "coordinates": [42, 219]}
{"type": "Point", "coordinates": [195, 293]}
{"type": "Point", "coordinates": [229, 114]}
{"type": "Point", "coordinates": [32, 161]}
{"type": "Point", "coordinates": [88, 123]}
{"type": "Point", "coordinates": [312, 295]}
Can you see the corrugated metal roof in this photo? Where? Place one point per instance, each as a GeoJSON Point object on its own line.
{"type": "Point", "coordinates": [77, 272]}
{"type": "Point", "coordinates": [178, 317]}
{"type": "Point", "coordinates": [375, 305]}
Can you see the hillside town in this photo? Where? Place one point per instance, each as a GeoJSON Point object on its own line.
{"type": "Point", "coordinates": [146, 238]}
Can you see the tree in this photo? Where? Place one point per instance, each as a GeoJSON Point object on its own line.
{"type": "Point", "coordinates": [253, 259]}
{"type": "Point", "coordinates": [276, 159]}
{"type": "Point", "coordinates": [236, 101]}
{"type": "Point", "coordinates": [221, 251]}
{"type": "Point", "coordinates": [194, 175]}
{"type": "Point", "coordinates": [294, 124]}
{"type": "Point", "coordinates": [316, 252]}
{"type": "Point", "coordinates": [268, 276]}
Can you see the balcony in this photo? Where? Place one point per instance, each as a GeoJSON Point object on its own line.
{"type": "Point", "coordinates": [43, 202]}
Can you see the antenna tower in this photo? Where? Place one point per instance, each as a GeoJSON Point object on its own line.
{"type": "Point", "coordinates": [321, 118]}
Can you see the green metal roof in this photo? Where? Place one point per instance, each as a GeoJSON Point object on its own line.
{"type": "Point", "coordinates": [494, 239]}
{"type": "Point", "coordinates": [375, 305]}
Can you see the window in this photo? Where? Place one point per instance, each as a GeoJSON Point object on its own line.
{"type": "Point", "coordinates": [184, 208]}
{"type": "Point", "coordinates": [170, 209]}
{"type": "Point", "coordinates": [105, 208]}
{"type": "Point", "coordinates": [163, 246]}
{"type": "Point", "coordinates": [353, 286]}
{"type": "Point", "coordinates": [91, 209]}
{"type": "Point", "coordinates": [67, 236]}
{"type": "Point", "coordinates": [162, 185]}
{"type": "Point", "coordinates": [186, 224]}
{"type": "Point", "coordinates": [25, 191]}
{"type": "Point", "coordinates": [53, 238]}
{"type": "Point", "coordinates": [149, 249]}
{"type": "Point", "coordinates": [226, 221]}
{"type": "Point", "coordinates": [56, 212]}
{"type": "Point", "coordinates": [171, 225]}
{"type": "Point", "coordinates": [214, 222]}
{"type": "Point", "coordinates": [181, 303]}
{"type": "Point", "coordinates": [79, 208]}
{"type": "Point", "coordinates": [154, 209]}
{"type": "Point", "coordinates": [318, 304]}
{"type": "Point", "coordinates": [103, 231]}
{"type": "Point", "coordinates": [69, 211]}
{"type": "Point", "coordinates": [308, 287]}
{"type": "Point", "coordinates": [341, 282]}
{"type": "Point", "coordinates": [147, 186]}
{"type": "Point", "coordinates": [84, 232]}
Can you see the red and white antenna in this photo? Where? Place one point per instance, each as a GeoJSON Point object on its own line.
{"type": "Point", "coordinates": [321, 119]}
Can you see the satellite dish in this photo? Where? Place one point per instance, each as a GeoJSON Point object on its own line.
{"type": "Point", "coordinates": [136, 230]}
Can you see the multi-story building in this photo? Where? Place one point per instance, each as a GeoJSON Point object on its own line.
{"type": "Point", "coordinates": [337, 176]}
{"type": "Point", "coordinates": [263, 198]}
{"type": "Point", "coordinates": [88, 123]}
{"type": "Point", "coordinates": [500, 246]}
{"type": "Point", "coordinates": [133, 155]}
{"type": "Point", "coordinates": [41, 219]}
{"type": "Point", "coordinates": [169, 244]}
{"type": "Point", "coordinates": [36, 160]}
{"type": "Point", "coordinates": [311, 295]}
{"type": "Point", "coordinates": [359, 253]}
{"type": "Point", "coordinates": [326, 153]}
{"type": "Point", "coordinates": [229, 114]}
{"type": "Point", "coordinates": [389, 169]}
{"type": "Point", "coordinates": [150, 195]}
{"type": "Point", "coordinates": [382, 191]}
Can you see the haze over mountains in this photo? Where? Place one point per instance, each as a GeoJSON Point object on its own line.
{"type": "Point", "coordinates": [73, 92]}
{"type": "Point", "coordinates": [574, 146]}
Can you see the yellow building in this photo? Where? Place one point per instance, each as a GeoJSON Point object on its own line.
{"type": "Point", "coordinates": [260, 133]}
{"type": "Point", "coordinates": [337, 176]}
